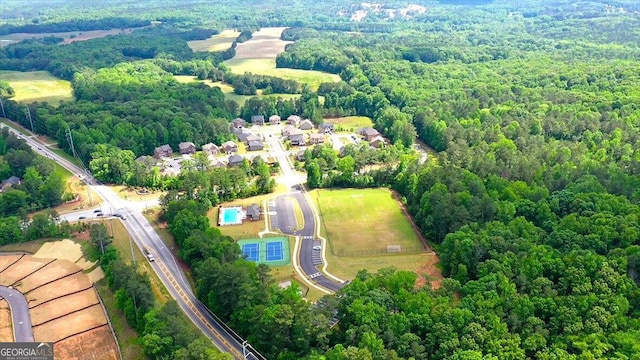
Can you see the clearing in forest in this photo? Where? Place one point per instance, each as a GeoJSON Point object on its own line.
{"type": "Point", "coordinates": [227, 90]}
{"type": "Point", "coordinates": [218, 42]}
{"type": "Point", "coordinates": [258, 56]}
{"type": "Point", "coordinates": [39, 86]}
{"type": "Point", "coordinates": [359, 224]}
{"type": "Point", "coordinates": [69, 36]}
{"type": "Point", "coordinates": [350, 122]}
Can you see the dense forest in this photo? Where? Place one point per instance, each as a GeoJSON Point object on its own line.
{"type": "Point", "coordinates": [531, 199]}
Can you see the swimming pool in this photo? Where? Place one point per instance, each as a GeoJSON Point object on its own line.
{"type": "Point", "coordinates": [230, 216]}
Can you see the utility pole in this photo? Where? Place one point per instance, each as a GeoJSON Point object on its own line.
{"type": "Point", "coordinates": [69, 138]}
{"type": "Point", "coordinates": [30, 119]}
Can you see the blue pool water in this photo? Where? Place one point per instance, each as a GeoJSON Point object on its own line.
{"type": "Point", "coordinates": [230, 216]}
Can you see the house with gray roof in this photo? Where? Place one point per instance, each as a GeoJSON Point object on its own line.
{"type": "Point", "coordinates": [187, 148]}
{"type": "Point", "coordinates": [211, 149]}
{"type": "Point", "coordinates": [163, 151]}
{"type": "Point", "coordinates": [9, 183]}
{"type": "Point", "coordinates": [305, 124]}
{"type": "Point", "coordinates": [235, 160]}
{"type": "Point", "coordinates": [255, 145]}
{"type": "Point", "coordinates": [257, 119]}
{"type": "Point", "coordinates": [253, 212]}
{"type": "Point", "coordinates": [296, 139]}
{"type": "Point", "coordinates": [274, 119]}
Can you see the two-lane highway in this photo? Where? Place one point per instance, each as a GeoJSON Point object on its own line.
{"type": "Point", "coordinates": [165, 264]}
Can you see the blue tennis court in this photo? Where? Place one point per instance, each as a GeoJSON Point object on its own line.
{"type": "Point", "coordinates": [250, 251]}
{"type": "Point", "coordinates": [275, 251]}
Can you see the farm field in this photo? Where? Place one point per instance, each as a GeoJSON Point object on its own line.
{"type": "Point", "coordinates": [218, 42]}
{"type": "Point", "coordinates": [39, 86]}
{"type": "Point", "coordinates": [258, 56]}
{"type": "Point", "coordinates": [266, 66]}
{"type": "Point", "coordinates": [68, 37]}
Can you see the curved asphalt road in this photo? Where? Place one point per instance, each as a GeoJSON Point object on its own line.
{"type": "Point", "coordinates": [22, 331]}
{"type": "Point", "coordinates": [308, 236]}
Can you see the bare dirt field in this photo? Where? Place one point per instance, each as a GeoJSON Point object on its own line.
{"type": "Point", "coordinates": [63, 249]}
{"type": "Point", "coordinates": [52, 273]}
{"type": "Point", "coordinates": [68, 37]}
{"type": "Point", "coordinates": [58, 307]}
{"type": "Point", "coordinates": [96, 344]}
{"type": "Point", "coordinates": [75, 323]}
{"type": "Point", "coordinates": [6, 331]}
{"type": "Point", "coordinates": [264, 44]}
{"type": "Point", "coordinates": [21, 269]}
{"type": "Point", "coordinates": [219, 42]}
{"type": "Point", "coordinates": [62, 303]}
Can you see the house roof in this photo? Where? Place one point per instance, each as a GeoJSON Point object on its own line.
{"type": "Point", "coordinates": [242, 136]}
{"type": "Point", "coordinates": [296, 137]}
{"type": "Point", "coordinates": [306, 122]}
{"type": "Point", "coordinates": [252, 137]}
{"type": "Point", "coordinates": [274, 118]}
{"type": "Point", "coordinates": [326, 126]}
{"type": "Point", "coordinates": [164, 147]}
{"type": "Point", "coordinates": [235, 159]}
{"type": "Point", "coordinates": [13, 180]}
{"type": "Point", "coordinates": [210, 146]}
{"type": "Point", "coordinates": [294, 118]}
{"type": "Point", "coordinates": [370, 131]}
{"type": "Point", "coordinates": [295, 131]}
{"type": "Point", "coordinates": [255, 118]}
{"type": "Point", "coordinates": [254, 143]}
{"type": "Point", "coordinates": [253, 210]}
{"type": "Point", "coordinates": [317, 136]}
{"type": "Point", "coordinates": [186, 145]}
{"type": "Point", "coordinates": [228, 144]}
{"type": "Point", "coordinates": [239, 121]}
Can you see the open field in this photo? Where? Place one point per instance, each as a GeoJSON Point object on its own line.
{"type": "Point", "coordinates": [264, 44]}
{"type": "Point", "coordinates": [218, 42]}
{"type": "Point", "coordinates": [364, 219]}
{"type": "Point", "coordinates": [62, 303]}
{"type": "Point", "coordinates": [68, 37]}
{"type": "Point", "coordinates": [265, 66]}
{"type": "Point", "coordinates": [350, 122]}
{"type": "Point", "coordinates": [40, 86]}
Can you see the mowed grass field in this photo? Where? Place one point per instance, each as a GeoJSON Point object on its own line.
{"type": "Point", "coordinates": [40, 86]}
{"type": "Point", "coordinates": [218, 42]}
{"type": "Point", "coordinates": [363, 220]}
{"type": "Point", "coordinates": [350, 122]}
{"type": "Point", "coordinates": [265, 66]}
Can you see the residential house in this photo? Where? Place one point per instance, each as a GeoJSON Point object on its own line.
{"type": "Point", "coordinates": [274, 119]}
{"type": "Point", "coordinates": [300, 155]}
{"type": "Point", "coordinates": [235, 160]}
{"type": "Point", "coordinates": [10, 182]}
{"type": "Point", "coordinates": [288, 130]}
{"type": "Point", "coordinates": [253, 212]}
{"type": "Point", "coordinates": [293, 120]}
{"type": "Point", "coordinates": [257, 119]}
{"type": "Point", "coordinates": [229, 147]}
{"type": "Point", "coordinates": [243, 136]}
{"type": "Point", "coordinates": [369, 133]}
{"type": "Point", "coordinates": [216, 162]}
{"type": "Point", "coordinates": [210, 149]}
{"type": "Point", "coordinates": [305, 125]}
{"type": "Point", "coordinates": [316, 139]}
{"type": "Point", "coordinates": [253, 137]}
{"type": "Point", "coordinates": [147, 160]}
{"type": "Point", "coordinates": [255, 145]}
{"type": "Point", "coordinates": [163, 151]}
{"type": "Point", "coordinates": [377, 141]}
{"type": "Point", "coordinates": [187, 148]}
{"type": "Point", "coordinates": [296, 139]}
{"type": "Point", "coordinates": [326, 128]}
{"type": "Point", "coordinates": [238, 124]}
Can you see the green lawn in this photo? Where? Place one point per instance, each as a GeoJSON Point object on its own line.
{"type": "Point", "coordinates": [268, 67]}
{"type": "Point", "coordinates": [40, 86]}
{"type": "Point", "coordinates": [364, 220]}
{"type": "Point", "coordinates": [218, 42]}
{"type": "Point", "coordinates": [348, 123]}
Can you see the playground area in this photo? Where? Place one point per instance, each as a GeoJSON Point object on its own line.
{"type": "Point", "coordinates": [273, 251]}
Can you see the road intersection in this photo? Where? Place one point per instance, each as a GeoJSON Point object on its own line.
{"type": "Point", "coordinates": [166, 265]}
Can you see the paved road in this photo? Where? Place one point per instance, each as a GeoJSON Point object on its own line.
{"type": "Point", "coordinates": [165, 264]}
{"type": "Point", "coordinates": [294, 182]}
{"type": "Point", "coordinates": [22, 331]}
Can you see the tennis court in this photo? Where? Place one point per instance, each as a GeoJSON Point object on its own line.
{"type": "Point", "coordinates": [273, 251]}
{"type": "Point", "coordinates": [251, 252]}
